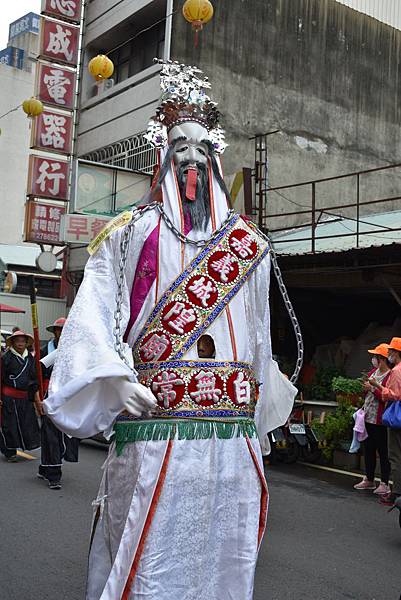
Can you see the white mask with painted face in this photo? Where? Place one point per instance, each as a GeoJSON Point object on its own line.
{"type": "Point", "coordinates": [375, 362]}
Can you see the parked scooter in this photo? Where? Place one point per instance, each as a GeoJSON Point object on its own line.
{"type": "Point", "coordinates": [295, 440]}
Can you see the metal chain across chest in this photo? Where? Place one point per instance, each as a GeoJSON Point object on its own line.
{"type": "Point", "coordinates": [124, 246]}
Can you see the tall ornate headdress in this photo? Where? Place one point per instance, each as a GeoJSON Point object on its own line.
{"type": "Point", "coordinates": [184, 100]}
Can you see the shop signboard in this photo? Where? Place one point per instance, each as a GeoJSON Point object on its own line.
{"type": "Point", "coordinates": [52, 132]}
{"type": "Point", "coordinates": [82, 229]}
{"type": "Point", "coordinates": [59, 42]}
{"type": "Point", "coordinates": [56, 86]}
{"type": "Point", "coordinates": [43, 223]}
{"type": "Point", "coordinates": [63, 9]}
{"type": "Point", "coordinates": [48, 178]}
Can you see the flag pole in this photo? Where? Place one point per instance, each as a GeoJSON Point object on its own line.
{"type": "Point", "coordinates": [35, 327]}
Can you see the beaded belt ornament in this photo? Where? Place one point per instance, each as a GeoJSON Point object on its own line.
{"type": "Point", "coordinates": [200, 293]}
{"type": "Point", "coordinates": [201, 389]}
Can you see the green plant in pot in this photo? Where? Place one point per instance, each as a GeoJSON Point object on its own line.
{"type": "Point", "coordinates": [336, 430]}
{"type": "Point", "coordinates": [348, 390]}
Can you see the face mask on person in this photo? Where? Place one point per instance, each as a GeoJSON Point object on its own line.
{"type": "Point", "coordinates": [375, 362]}
{"type": "Point", "coordinates": [391, 359]}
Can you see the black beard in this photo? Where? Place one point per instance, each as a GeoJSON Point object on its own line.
{"type": "Point", "coordinates": [199, 209]}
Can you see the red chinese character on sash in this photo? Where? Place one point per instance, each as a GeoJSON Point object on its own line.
{"type": "Point", "coordinates": [202, 291]}
{"type": "Point", "coordinates": [223, 267]}
{"type": "Point", "coordinates": [179, 318]}
{"type": "Point", "coordinates": [168, 388]}
{"type": "Point", "coordinates": [242, 244]}
{"type": "Point", "coordinates": [239, 389]}
{"type": "Point", "coordinates": [206, 388]}
{"type": "Point", "coordinates": [155, 347]}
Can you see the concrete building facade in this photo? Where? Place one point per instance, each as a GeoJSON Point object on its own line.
{"type": "Point", "coordinates": [325, 76]}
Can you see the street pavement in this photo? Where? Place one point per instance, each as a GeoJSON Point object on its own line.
{"type": "Point", "coordinates": [324, 540]}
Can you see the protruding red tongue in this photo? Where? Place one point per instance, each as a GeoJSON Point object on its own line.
{"type": "Point", "coordinates": [190, 190]}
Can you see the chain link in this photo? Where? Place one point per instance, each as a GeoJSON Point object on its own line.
{"type": "Point", "coordinates": [186, 240]}
{"type": "Point", "coordinates": [124, 246]}
{"type": "Point", "coordinates": [289, 307]}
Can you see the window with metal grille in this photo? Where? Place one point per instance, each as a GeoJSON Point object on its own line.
{"type": "Point", "coordinates": [134, 153]}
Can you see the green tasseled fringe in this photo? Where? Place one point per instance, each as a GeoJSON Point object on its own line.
{"type": "Point", "coordinates": [144, 431]}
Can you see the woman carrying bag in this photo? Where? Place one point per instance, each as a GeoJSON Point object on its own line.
{"type": "Point", "coordinates": [373, 409]}
{"type": "Point", "coordinates": [391, 393]}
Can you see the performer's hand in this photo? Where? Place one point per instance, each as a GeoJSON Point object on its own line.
{"type": "Point", "coordinates": [139, 399]}
{"type": "Point", "coordinates": [39, 408]}
{"type": "Point", "coordinates": [373, 382]}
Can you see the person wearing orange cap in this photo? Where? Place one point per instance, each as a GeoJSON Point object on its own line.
{"type": "Point", "coordinates": [391, 392]}
{"type": "Point", "coordinates": [376, 442]}
{"type": "Point", "coordinates": [19, 394]}
{"type": "Point", "coordinates": [55, 446]}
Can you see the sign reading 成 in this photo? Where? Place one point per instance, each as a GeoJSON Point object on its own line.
{"type": "Point", "coordinates": [59, 42]}
{"type": "Point", "coordinates": [43, 223]}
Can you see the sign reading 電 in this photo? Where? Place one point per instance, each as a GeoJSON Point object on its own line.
{"type": "Point", "coordinates": [56, 85]}
{"type": "Point", "coordinates": [42, 223]}
{"type": "Point", "coordinates": [52, 131]}
{"type": "Point", "coordinates": [48, 178]}
{"type": "Point", "coordinates": [82, 229]}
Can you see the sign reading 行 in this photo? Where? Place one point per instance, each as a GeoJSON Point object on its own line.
{"type": "Point", "coordinates": [59, 42]}
{"type": "Point", "coordinates": [48, 178]}
{"type": "Point", "coordinates": [52, 131]}
{"type": "Point", "coordinates": [82, 229]}
{"type": "Point", "coordinates": [56, 86]}
{"type": "Point", "coordinates": [63, 9]}
{"type": "Point", "coordinates": [43, 222]}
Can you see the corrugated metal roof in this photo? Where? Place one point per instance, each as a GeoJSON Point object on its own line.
{"type": "Point", "coordinates": [387, 11]}
{"type": "Point", "coordinates": [380, 223]}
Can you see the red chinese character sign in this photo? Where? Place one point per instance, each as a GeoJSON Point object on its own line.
{"type": "Point", "coordinates": [63, 9]}
{"type": "Point", "coordinates": [52, 132]}
{"type": "Point", "coordinates": [59, 42]}
{"type": "Point", "coordinates": [82, 229]}
{"type": "Point", "coordinates": [48, 178]}
{"type": "Point", "coordinates": [56, 86]}
{"type": "Point", "coordinates": [42, 223]}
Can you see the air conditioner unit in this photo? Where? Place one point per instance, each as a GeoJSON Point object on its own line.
{"type": "Point", "coordinates": [103, 86]}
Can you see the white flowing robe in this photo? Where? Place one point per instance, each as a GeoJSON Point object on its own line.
{"type": "Point", "coordinates": [181, 518]}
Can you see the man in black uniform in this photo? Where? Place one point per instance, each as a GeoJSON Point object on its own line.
{"type": "Point", "coordinates": [55, 446]}
{"type": "Point", "coordinates": [19, 397]}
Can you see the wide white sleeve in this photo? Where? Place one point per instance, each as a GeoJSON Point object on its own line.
{"type": "Point", "coordinates": [276, 392]}
{"type": "Point", "coordinates": [84, 393]}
